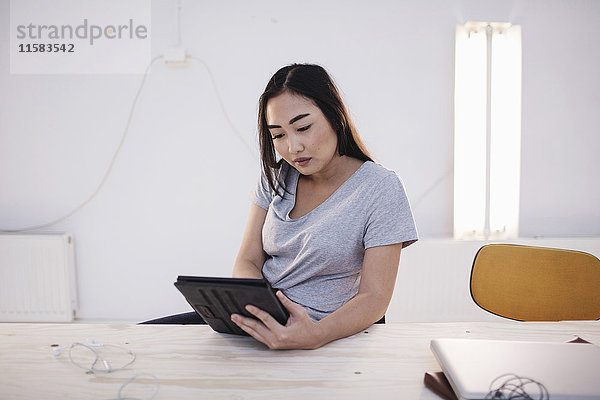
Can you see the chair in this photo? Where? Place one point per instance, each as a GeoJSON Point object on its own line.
{"type": "Point", "coordinates": [527, 283]}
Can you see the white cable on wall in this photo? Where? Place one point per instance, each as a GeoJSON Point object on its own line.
{"type": "Point", "coordinates": [108, 170]}
{"type": "Point", "coordinates": [220, 100]}
{"type": "Point", "coordinates": [124, 136]}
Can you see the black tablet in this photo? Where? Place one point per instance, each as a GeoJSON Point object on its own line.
{"type": "Point", "coordinates": [215, 299]}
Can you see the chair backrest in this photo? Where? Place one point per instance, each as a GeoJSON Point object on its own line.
{"type": "Point", "coordinates": [529, 283]}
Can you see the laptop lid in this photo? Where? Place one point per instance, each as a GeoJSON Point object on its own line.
{"type": "Point", "coordinates": [566, 370]}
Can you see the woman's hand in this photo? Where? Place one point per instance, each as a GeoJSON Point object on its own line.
{"type": "Point", "coordinates": [300, 331]}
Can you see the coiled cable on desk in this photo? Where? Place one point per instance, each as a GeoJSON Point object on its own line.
{"type": "Point", "coordinates": [92, 346]}
{"type": "Point", "coordinates": [513, 388]}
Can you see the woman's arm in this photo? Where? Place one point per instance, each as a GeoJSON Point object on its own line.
{"type": "Point", "coordinates": [377, 281]}
{"type": "Point", "coordinates": [251, 256]}
{"type": "Point", "coordinates": [380, 267]}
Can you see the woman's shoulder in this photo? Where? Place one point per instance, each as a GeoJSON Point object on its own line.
{"type": "Point", "coordinates": [377, 182]}
{"type": "Point", "coordinates": [376, 172]}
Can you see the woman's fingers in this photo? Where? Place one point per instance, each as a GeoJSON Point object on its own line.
{"type": "Point", "coordinates": [270, 332]}
{"type": "Point", "coordinates": [265, 329]}
{"type": "Point", "coordinates": [263, 316]}
{"type": "Point", "coordinates": [251, 326]}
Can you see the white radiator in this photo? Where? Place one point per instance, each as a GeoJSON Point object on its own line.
{"type": "Point", "coordinates": [37, 278]}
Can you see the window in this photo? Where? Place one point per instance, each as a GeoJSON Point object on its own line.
{"type": "Point", "coordinates": [487, 131]}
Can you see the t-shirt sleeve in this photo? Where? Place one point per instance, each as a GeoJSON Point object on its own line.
{"type": "Point", "coordinates": [390, 219]}
{"type": "Point", "coordinates": [262, 195]}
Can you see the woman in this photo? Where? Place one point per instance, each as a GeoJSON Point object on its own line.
{"type": "Point", "coordinates": [327, 224]}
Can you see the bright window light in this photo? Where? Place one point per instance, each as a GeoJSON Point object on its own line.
{"type": "Point", "coordinates": [505, 138]}
{"type": "Point", "coordinates": [487, 131]}
{"type": "Point", "coordinates": [470, 100]}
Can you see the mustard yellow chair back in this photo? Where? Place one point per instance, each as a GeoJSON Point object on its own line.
{"type": "Point", "coordinates": [529, 283]}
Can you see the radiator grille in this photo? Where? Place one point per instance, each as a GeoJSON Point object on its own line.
{"type": "Point", "coordinates": [37, 278]}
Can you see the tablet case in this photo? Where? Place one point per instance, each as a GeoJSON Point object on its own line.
{"type": "Point", "coordinates": [215, 299]}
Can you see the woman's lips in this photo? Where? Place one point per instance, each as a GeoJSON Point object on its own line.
{"type": "Point", "coordinates": [302, 161]}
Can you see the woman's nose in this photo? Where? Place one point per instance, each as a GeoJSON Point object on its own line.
{"type": "Point", "coordinates": [295, 144]}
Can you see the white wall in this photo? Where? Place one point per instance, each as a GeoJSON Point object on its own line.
{"type": "Point", "coordinates": [177, 198]}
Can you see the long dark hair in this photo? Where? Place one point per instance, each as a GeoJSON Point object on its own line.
{"type": "Point", "coordinates": [314, 83]}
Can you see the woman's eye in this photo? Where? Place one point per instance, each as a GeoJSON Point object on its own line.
{"type": "Point", "coordinates": [277, 136]}
{"type": "Point", "coordinates": [304, 128]}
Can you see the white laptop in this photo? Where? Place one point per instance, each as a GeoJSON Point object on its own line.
{"type": "Point", "coordinates": [567, 370]}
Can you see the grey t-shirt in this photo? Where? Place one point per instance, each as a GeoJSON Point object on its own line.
{"type": "Point", "coordinates": [316, 260]}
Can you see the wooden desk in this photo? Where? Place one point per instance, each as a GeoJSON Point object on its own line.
{"type": "Point", "coordinates": [193, 362]}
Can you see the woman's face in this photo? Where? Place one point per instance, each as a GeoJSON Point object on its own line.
{"type": "Point", "coordinates": [301, 134]}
